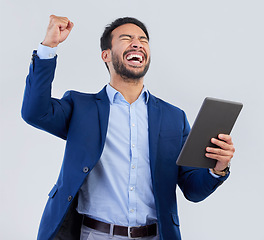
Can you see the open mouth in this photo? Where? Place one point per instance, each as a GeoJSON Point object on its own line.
{"type": "Point", "coordinates": [135, 58]}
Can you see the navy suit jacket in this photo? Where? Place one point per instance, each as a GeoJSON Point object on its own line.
{"type": "Point", "coordinates": [82, 120]}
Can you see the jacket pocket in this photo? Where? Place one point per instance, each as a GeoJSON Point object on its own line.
{"type": "Point", "coordinates": [175, 219]}
{"type": "Point", "coordinates": [53, 191]}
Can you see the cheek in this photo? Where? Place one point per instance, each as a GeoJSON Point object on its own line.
{"type": "Point", "coordinates": [120, 47]}
{"type": "Point", "coordinates": [118, 53]}
{"type": "Point", "coordinates": [147, 50]}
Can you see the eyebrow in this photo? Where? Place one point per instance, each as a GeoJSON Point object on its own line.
{"type": "Point", "coordinates": [127, 35]}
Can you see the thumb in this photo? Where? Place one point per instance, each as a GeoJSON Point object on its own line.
{"type": "Point", "coordinates": [70, 26]}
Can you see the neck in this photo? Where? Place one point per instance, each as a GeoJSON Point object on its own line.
{"type": "Point", "coordinates": [129, 88]}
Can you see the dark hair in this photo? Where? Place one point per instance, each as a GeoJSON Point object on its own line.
{"type": "Point", "coordinates": [106, 39]}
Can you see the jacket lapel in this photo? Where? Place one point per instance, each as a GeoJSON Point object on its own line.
{"type": "Point", "coordinates": [154, 121]}
{"type": "Point", "coordinates": [103, 105]}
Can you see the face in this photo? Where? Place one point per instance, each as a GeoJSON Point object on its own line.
{"type": "Point", "coordinates": [130, 53]}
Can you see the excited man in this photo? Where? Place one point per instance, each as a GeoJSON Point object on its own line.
{"type": "Point", "coordinates": [118, 177]}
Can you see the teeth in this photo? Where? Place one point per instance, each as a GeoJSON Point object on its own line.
{"type": "Point", "coordinates": [129, 57]}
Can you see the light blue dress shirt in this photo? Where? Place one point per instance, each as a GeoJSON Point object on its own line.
{"type": "Point", "coordinates": [119, 189]}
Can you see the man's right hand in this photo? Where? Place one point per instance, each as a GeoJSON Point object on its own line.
{"type": "Point", "coordinates": [58, 30]}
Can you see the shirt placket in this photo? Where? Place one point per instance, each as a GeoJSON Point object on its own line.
{"type": "Point", "coordinates": [133, 166]}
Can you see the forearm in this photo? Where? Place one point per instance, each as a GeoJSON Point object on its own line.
{"type": "Point", "coordinates": [197, 183]}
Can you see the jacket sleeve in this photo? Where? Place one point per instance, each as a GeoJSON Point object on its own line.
{"type": "Point", "coordinates": [39, 109]}
{"type": "Point", "coordinates": [196, 183]}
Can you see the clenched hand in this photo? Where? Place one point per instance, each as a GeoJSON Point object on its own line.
{"type": "Point", "coordinates": [58, 30]}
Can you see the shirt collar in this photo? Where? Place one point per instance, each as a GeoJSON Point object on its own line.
{"type": "Point", "coordinates": [113, 94]}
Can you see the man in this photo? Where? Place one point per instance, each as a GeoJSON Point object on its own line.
{"type": "Point", "coordinates": [119, 176]}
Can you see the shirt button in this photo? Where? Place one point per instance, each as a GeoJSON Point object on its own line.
{"type": "Point", "coordinates": [131, 188]}
{"type": "Point", "coordinates": [133, 145]}
{"type": "Point", "coordinates": [133, 166]}
{"type": "Point", "coordinates": [85, 169]}
{"type": "Point", "coordinates": [133, 125]}
{"type": "Point", "coordinates": [69, 198]}
{"type": "Point", "coordinates": [51, 55]}
{"type": "Point", "coordinates": [132, 210]}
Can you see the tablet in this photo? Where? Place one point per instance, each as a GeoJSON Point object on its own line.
{"type": "Point", "coordinates": [215, 116]}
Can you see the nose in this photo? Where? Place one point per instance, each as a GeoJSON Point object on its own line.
{"type": "Point", "coordinates": [136, 44]}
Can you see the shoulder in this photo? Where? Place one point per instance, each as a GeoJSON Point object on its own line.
{"type": "Point", "coordinates": [78, 99]}
{"type": "Point", "coordinates": [173, 118]}
{"type": "Point", "coordinates": [86, 96]}
{"type": "Point", "coordinates": [76, 94]}
{"type": "Point", "coordinates": [166, 106]}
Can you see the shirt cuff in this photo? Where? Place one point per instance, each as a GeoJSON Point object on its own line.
{"type": "Point", "coordinates": [45, 52]}
{"type": "Point", "coordinates": [214, 175]}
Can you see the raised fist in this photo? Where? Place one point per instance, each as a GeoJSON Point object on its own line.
{"type": "Point", "coordinates": [58, 30]}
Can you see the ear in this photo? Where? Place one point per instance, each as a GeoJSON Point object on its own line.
{"type": "Point", "coordinates": [106, 55]}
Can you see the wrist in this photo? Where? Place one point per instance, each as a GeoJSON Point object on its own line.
{"type": "Point", "coordinates": [48, 44]}
{"type": "Point", "coordinates": [221, 173]}
{"type": "Point", "coordinates": [45, 52]}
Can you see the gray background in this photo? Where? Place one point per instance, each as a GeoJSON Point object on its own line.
{"type": "Point", "coordinates": [199, 48]}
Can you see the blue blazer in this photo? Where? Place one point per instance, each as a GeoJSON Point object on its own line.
{"type": "Point", "coordinates": [82, 119]}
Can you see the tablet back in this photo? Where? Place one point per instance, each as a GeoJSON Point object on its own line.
{"type": "Point", "coordinates": [215, 116]}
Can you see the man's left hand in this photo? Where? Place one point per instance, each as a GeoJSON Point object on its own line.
{"type": "Point", "coordinates": [224, 154]}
